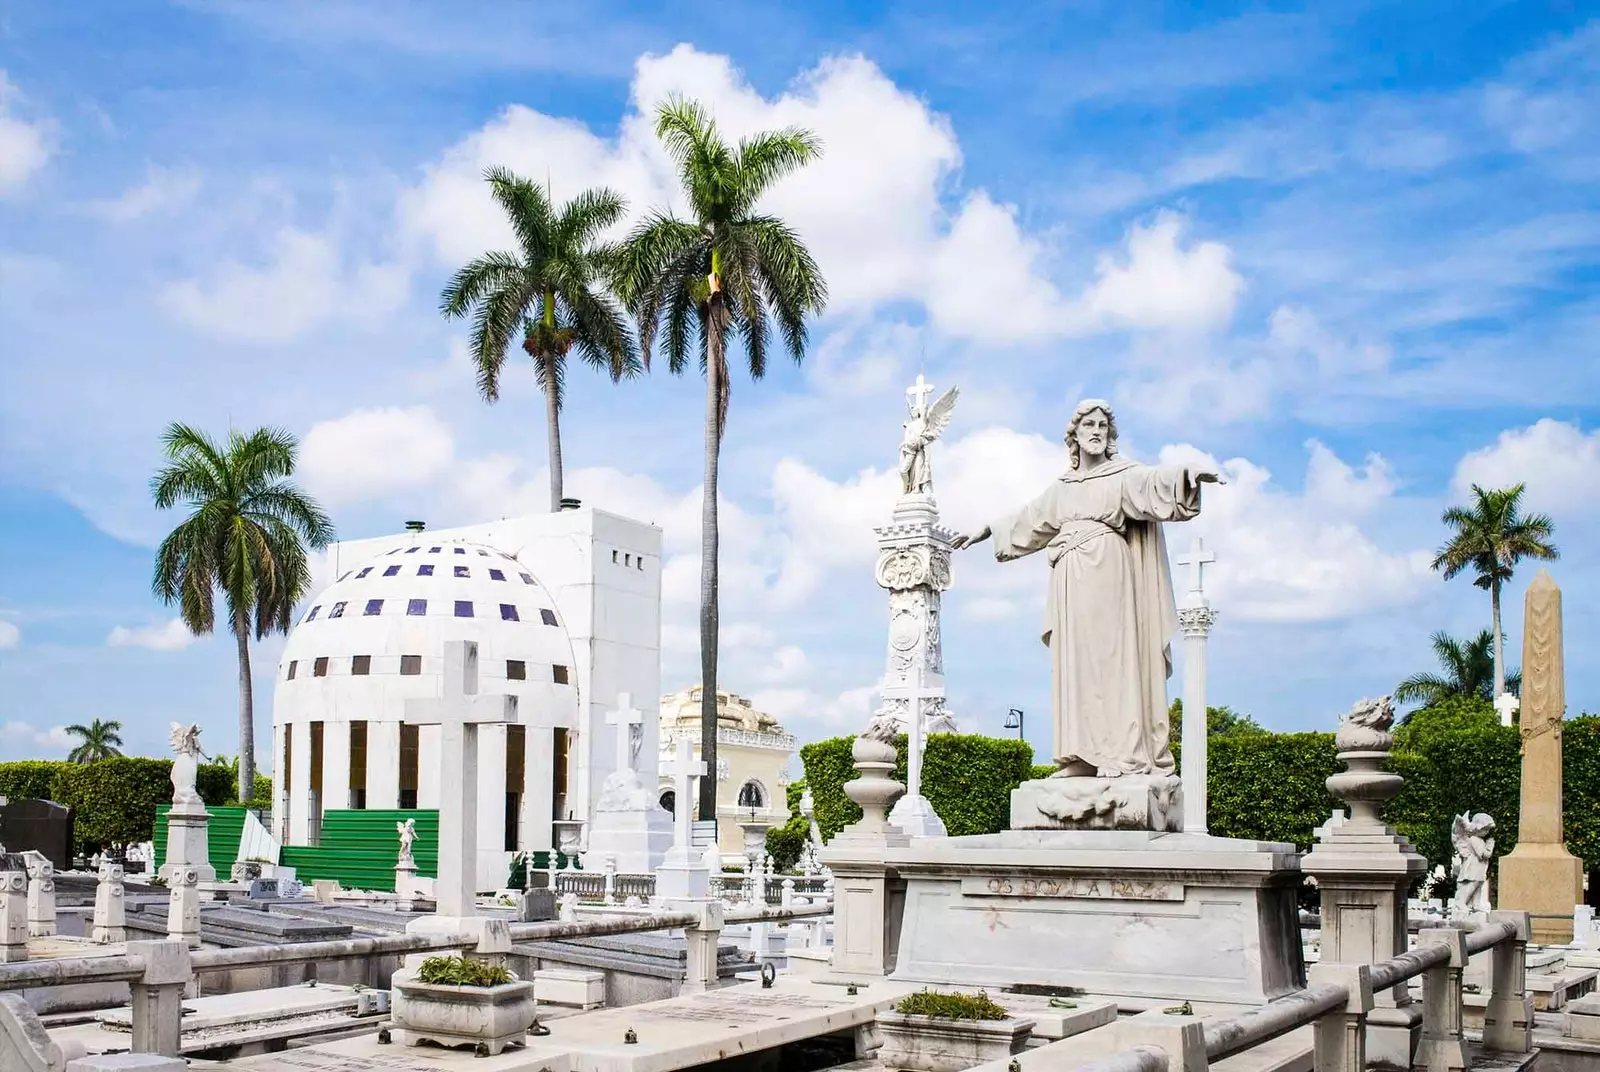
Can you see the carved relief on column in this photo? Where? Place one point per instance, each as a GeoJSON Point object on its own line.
{"type": "Point", "coordinates": [1196, 621]}
{"type": "Point", "coordinates": [914, 566]}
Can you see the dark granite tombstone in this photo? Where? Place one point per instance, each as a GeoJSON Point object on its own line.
{"type": "Point", "coordinates": [41, 825]}
{"type": "Point", "coordinates": [263, 889]}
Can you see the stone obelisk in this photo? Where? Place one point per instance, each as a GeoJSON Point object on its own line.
{"type": "Point", "coordinates": [1540, 876]}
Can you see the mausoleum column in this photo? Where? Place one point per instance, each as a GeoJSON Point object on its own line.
{"type": "Point", "coordinates": [383, 764]}
{"type": "Point", "coordinates": [299, 794]}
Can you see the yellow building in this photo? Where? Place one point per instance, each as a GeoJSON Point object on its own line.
{"type": "Point", "coordinates": [753, 756]}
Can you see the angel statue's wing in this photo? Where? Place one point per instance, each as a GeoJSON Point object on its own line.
{"type": "Point", "coordinates": [1460, 830]}
{"type": "Point", "coordinates": [939, 412]}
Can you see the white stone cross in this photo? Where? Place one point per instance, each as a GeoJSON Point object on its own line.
{"type": "Point", "coordinates": [1196, 558]}
{"type": "Point", "coordinates": [1507, 705]}
{"type": "Point", "coordinates": [458, 714]}
{"type": "Point", "coordinates": [918, 392]}
{"type": "Point", "coordinates": [683, 767]}
{"type": "Point", "coordinates": [625, 717]}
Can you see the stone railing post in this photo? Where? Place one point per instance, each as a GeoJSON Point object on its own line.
{"type": "Point", "coordinates": [13, 916]}
{"type": "Point", "coordinates": [1443, 1049]}
{"type": "Point", "coordinates": [610, 870]}
{"type": "Point", "coordinates": [1181, 1038]}
{"type": "Point", "coordinates": [41, 896]}
{"type": "Point", "coordinates": [183, 904]}
{"type": "Point", "coordinates": [701, 941]}
{"type": "Point", "coordinates": [1340, 1037]}
{"type": "Point", "coordinates": [1508, 1018]}
{"type": "Point", "coordinates": [158, 996]}
{"type": "Point", "coordinates": [110, 913]}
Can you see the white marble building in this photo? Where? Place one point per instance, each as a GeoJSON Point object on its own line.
{"type": "Point", "coordinates": [566, 610]}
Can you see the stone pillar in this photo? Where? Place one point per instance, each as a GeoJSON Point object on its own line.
{"type": "Point", "coordinates": [41, 896]}
{"type": "Point", "coordinates": [701, 941]}
{"type": "Point", "coordinates": [1196, 625]}
{"type": "Point", "coordinates": [183, 906]}
{"type": "Point", "coordinates": [158, 996]}
{"type": "Point", "coordinates": [13, 916]}
{"type": "Point", "coordinates": [1340, 1038]}
{"type": "Point", "coordinates": [914, 565]}
{"type": "Point", "coordinates": [188, 843]}
{"type": "Point", "coordinates": [1540, 876]}
{"type": "Point", "coordinates": [868, 895]}
{"type": "Point", "coordinates": [1443, 1047]}
{"type": "Point", "coordinates": [1508, 1017]}
{"type": "Point", "coordinates": [109, 910]}
{"type": "Point", "coordinates": [1364, 870]}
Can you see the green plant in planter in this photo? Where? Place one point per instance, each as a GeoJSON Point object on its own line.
{"type": "Point", "coordinates": [951, 1006]}
{"type": "Point", "coordinates": [462, 971]}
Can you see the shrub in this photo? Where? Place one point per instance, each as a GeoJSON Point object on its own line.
{"type": "Point", "coordinates": [967, 778]}
{"type": "Point", "coordinates": [30, 779]}
{"type": "Point", "coordinates": [785, 843]}
{"type": "Point", "coordinates": [949, 1006]}
{"type": "Point", "coordinates": [462, 971]}
{"type": "Point", "coordinates": [114, 800]}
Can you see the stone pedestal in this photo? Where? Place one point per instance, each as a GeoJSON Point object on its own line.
{"type": "Point", "coordinates": [629, 825]}
{"type": "Point", "coordinates": [914, 815]}
{"type": "Point", "coordinates": [187, 844]}
{"type": "Point", "coordinates": [1131, 913]}
{"type": "Point", "coordinates": [868, 894]}
{"type": "Point", "coordinates": [683, 876]}
{"type": "Point", "coordinates": [41, 896]}
{"type": "Point", "coordinates": [1131, 802]}
{"type": "Point", "coordinates": [1540, 876]}
{"type": "Point", "coordinates": [110, 912]}
{"type": "Point", "coordinates": [183, 906]}
{"type": "Point", "coordinates": [13, 916]}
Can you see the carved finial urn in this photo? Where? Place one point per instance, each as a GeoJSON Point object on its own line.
{"type": "Point", "coordinates": [1364, 743]}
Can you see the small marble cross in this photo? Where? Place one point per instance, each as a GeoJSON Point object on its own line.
{"type": "Point", "coordinates": [683, 767]}
{"type": "Point", "coordinates": [1507, 705]}
{"type": "Point", "coordinates": [1196, 558]}
{"type": "Point", "coordinates": [625, 717]}
{"type": "Point", "coordinates": [918, 392]}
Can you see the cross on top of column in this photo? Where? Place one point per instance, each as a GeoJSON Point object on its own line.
{"type": "Point", "coordinates": [461, 702]}
{"type": "Point", "coordinates": [683, 766]}
{"type": "Point", "coordinates": [625, 717]}
{"type": "Point", "coordinates": [1507, 705]}
{"type": "Point", "coordinates": [918, 392]}
{"type": "Point", "coordinates": [1196, 558]}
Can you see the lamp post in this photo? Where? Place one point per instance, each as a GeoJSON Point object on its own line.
{"type": "Point", "coordinates": [1014, 721]}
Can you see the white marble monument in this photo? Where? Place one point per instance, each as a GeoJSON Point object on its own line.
{"type": "Point", "coordinates": [914, 566]}
{"type": "Point", "coordinates": [187, 843]}
{"type": "Point", "coordinates": [1195, 618]}
{"type": "Point", "coordinates": [629, 825]}
{"type": "Point", "coordinates": [683, 876]}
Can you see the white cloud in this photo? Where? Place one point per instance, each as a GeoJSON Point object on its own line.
{"type": "Point", "coordinates": [851, 708]}
{"type": "Point", "coordinates": [24, 146]}
{"type": "Point", "coordinates": [302, 283]}
{"type": "Point", "coordinates": [10, 635]}
{"type": "Point", "coordinates": [1558, 461]}
{"type": "Point", "coordinates": [171, 635]}
{"type": "Point", "coordinates": [23, 739]}
{"type": "Point", "coordinates": [373, 453]}
{"type": "Point", "coordinates": [1158, 284]}
{"type": "Point", "coordinates": [1296, 330]}
{"type": "Point", "coordinates": [163, 190]}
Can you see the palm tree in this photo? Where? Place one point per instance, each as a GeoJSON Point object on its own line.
{"type": "Point", "coordinates": [1469, 670]}
{"type": "Point", "coordinates": [247, 535]}
{"type": "Point", "coordinates": [97, 740]}
{"type": "Point", "coordinates": [728, 268]}
{"type": "Point", "coordinates": [1491, 536]}
{"type": "Point", "coordinates": [553, 288]}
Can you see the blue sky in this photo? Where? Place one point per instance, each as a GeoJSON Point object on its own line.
{"type": "Point", "coordinates": [1348, 253]}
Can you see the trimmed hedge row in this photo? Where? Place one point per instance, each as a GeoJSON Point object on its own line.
{"type": "Point", "coordinates": [1269, 786]}
{"type": "Point", "coordinates": [114, 800]}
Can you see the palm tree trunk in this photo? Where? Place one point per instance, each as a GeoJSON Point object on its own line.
{"type": "Point", "coordinates": [552, 415]}
{"type": "Point", "coordinates": [247, 717]}
{"type": "Point", "coordinates": [708, 564]}
{"type": "Point", "coordinates": [1499, 654]}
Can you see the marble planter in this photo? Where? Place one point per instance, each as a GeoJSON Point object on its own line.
{"type": "Point", "coordinates": [940, 1044]}
{"type": "Point", "coordinates": [489, 1018]}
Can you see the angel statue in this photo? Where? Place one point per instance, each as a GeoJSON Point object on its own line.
{"type": "Point", "coordinates": [185, 763]}
{"type": "Point", "coordinates": [920, 429]}
{"type": "Point", "coordinates": [407, 829]}
{"type": "Point", "coordinates": [1473, 838]}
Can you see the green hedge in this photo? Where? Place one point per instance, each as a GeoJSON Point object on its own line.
{"type": "Point", "coordinates": [968, 779]}
{"type": "Point", "coordinates": [114, 800]}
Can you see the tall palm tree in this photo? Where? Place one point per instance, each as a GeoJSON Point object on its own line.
{"type": "Point", "coordinates": [246, 535]}
{"type": "Point", "coordinates": [1491, 536]}
{"type": "Point", "coordinates": [97, 740]}
{"type": "Point", "coordinates": [553, 288]}
{"type": "Point", "coordinates": [1469, 671]}
{"type": "Point", "coordinates": [728, 268]}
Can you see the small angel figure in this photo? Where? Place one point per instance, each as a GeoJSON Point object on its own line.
{"type": "Point", "coordinates": [1473, 838]}
{"type": "Point", "coordinates": [407, 829]}
{"type": "Point", "coordinates": [921, 428]}
{"type": "Point", "coordinates": [185, 763]}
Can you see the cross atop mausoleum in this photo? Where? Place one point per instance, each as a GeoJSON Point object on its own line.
{"type": "Point", "coordinates": [458, 714]}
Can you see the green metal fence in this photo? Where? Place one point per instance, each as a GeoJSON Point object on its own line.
{"type": "Point", "coordinates": [359, 848]}
{"type": "Point", "coordinates": [223, 833]}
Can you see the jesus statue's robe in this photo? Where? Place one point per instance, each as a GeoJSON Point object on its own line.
{"type": "Point", "coordinates": [1110, 613]}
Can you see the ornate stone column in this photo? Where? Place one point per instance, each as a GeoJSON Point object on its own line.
{"type": "Point", "coordinates": [914, 565]}
{"type": "Point", "coordinates": [1195, 618]}
{"type": "Point", "coordinates": [1364, 869]}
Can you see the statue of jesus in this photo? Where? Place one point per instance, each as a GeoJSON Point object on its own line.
{"type": "Point", "coordinates": [1110, 612]}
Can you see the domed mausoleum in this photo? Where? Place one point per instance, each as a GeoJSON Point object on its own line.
{"type": "Point", "coordinates": [565, 611]}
